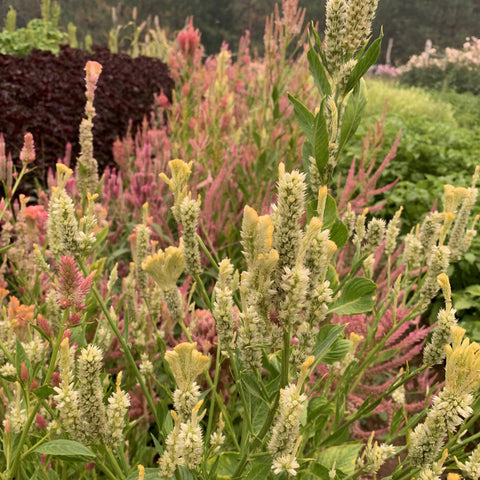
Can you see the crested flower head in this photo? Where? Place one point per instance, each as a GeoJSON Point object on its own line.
{"type": "Point", "coordinates": [165, 267]}
{"type": "Point", "coordinates": [462, 372]}
{"type": "Point", "coordinates": [186, 363]}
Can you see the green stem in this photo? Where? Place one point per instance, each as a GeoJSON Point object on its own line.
{"type": "Point", "coordinates": [273, 410]}
{"type": "Point", "coordinates": [126, 351]}
{"type": "Point", "coordinates": [212, 401]}
{"type": "Point", "coordinates": [14, 189]}
{"type": "Point", "coordinates": [207, 253]}
{"type": "Point", "coordinates": [18, 452]}
{"type": "Point", "coordinates": [205, 296]}
{"type": "Point", "coordinates": [116, 466]}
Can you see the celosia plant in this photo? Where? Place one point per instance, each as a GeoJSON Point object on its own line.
{"type": "Point", "coordinates": [315, 332]}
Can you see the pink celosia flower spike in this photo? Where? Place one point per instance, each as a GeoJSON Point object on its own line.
{"type": "Point", "coordinates": [188, 41]}
{"type": "Point", "coordinates": [27, 155]}
{"type": "Point", "coordinates": [72, 287]}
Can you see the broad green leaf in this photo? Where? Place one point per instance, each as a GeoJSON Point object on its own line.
{"type": "Point", "coordinates": [337, 351]}
{"type": "Point", "coordinates": [150, 474]}
{"type": "Point", "coordinates": [331, 213]}
{"type": "Point", "coordinates": [260, 471]}
{"type": "Point", "coordinates": [304, 117]}
{"type": "Point", "coordinates": [307, 152]}
{"type": "Point", "coordinates": [316, 471]}
{"type": "Point", "coordinates": [43, 391]}
{"type": "Point", "coordinates": [320, 141]}
{"type": "Point", "coordinates": [325, 338]}
{"type": "Point", "coordinates": [339, 233]}
{"type": "Point", "coordinates": [364, 63]}
{"type": "Point", "coordinates": [67, 450]}
{"type": "Point", "coordinates": [318, 72]}
{"type": "Point", "coordinates": [356, 297]}
{"type": "Point", "coordinates": [227, 464]}
{"type": "Point", "coordinates": [343, 456]}
{"type": "Point", "coordinates": [352, 115]}
{"type": "Point", "coordinates": [319, 407]}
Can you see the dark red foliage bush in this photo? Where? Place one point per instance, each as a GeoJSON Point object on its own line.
{"type": "Point", "coordinates": [45, 95]}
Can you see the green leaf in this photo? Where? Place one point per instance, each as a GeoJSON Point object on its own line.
{"type": "Point", "coordinates": [67, 450]}
{"type": "Point", "coordinates": [352, 115]}
{"type": "Point", "coordinates": [304, 117]}
{"type": "Point", "coordinates": [343, 456]}
{"type": "Point", "coordinates": [319, 407]}
{"type": "Point", "coordinates": [337, 351]}
{"type": "Point", "coordinates": [362, 66]}
{"type": "Point", "coordinates": [6, 247]}
{"type": "Point", "coordinates": [339, 233]}
{"type": "Point", "coordinates": [260, 471]}
{"type": "Point", "coordinates": [325, 338]}
{"type": "Point", "coordinates": [318, 72]}
{"type": "Point", "coordinates": [43, 391]}
{"type": "Point", "coordinates": [331, 212]}
{"type": "Point", "coordinates": [316, 471]}
{"type": "Point", "coordinates": [320, 141]}
{"type": "Point", "coordinates": [356, 297]}
{"type": "Point", "coordinates": [227, 464]}
{"type": "Point", "coordinates": [150, 474]}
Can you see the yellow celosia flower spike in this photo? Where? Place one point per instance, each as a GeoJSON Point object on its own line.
{"type": "Point", "coordinates": [462, 372]}
{"type": "Point", "coordinates": [165, 267]}
{"type": "Point", "coordinates": [186, 363]}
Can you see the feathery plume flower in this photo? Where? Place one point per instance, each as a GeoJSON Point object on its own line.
{"type": "Point", "coordinates": [434, 352]}
{"type": "Point", "coordinates": [287, 212]}
{"type": "Point", "coordinates": [251, 336]}
{"type": "Point", "coordinates": [93, 427]}
{"type": "Point", "coordinates": [294, 288]}
{"type": "Point", "coordinates": [374, 455]}
{"type": "Point", "coordinates": [434, 471]}
{"type": "Point", "coordinates": [189, 212]}
{"type": "Point", "coordinates": [471, 467]}
{"type": "Point", "coordinates": [430, 230]}
{"type": "Point", "coordinates": [190, 438]}
{"type": "Point", "coordinates": [66, 396]}
{"type": "Point", "coordinates": [392, 233]}
{"type": "Point", "coordinates": [437, 263]}
{"type": "Point", "coordinates": [62, 226]}
{"type": "Point", "coordinates": [27, 154]}
{"type": "Point", "coordinates": [72, 287]}
{"type": "Point", "coordinates": [217, 438]}
{"type": "Point", "coordinates": [336, 11]}
{"type": "Point", "coordinates": [453, 404]}
{"type": "Point", "coordinates": [223, 305]}
{"type": "Point", "coordinates": [142, 244]}
{"type": "Point", "coordinates": [374, 235]}
{"type": "Point", "coordinates": [286, 425]}
{"type": "Point", "coordinates": [413, 251]}
{"type": "Point", "coordinates": [118, 404]}
{"type": "Point", "coordinates": [171, 455]}
{"type": "Point", "coordinates": [16, 416]}
{"type": "Point", "coordinates": [181, 172]}
{"type": "Point", "coordinates": [87, 168]}
{"type": "Point", "coordinates": [458, 231]}
{"type": "Point", "coordinates": [256, 234]}
{"type": "Point", "coordinates": [358, 24]}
